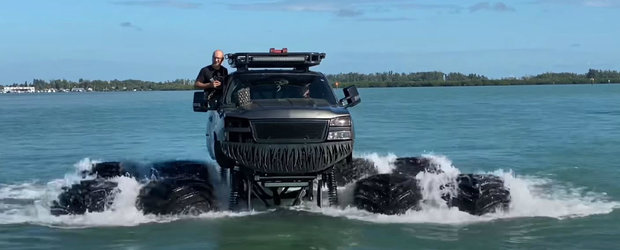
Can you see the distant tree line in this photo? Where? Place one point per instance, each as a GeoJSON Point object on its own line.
{"type": "Point", "coordinates": [385, 79]}
{"type": "Point", "coordinates": [436, 78]}
{"type": "Point", "coordinates": [113, 85]}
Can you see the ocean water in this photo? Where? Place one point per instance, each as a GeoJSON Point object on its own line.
{"type": "Point", "coordinates": [555, 146]}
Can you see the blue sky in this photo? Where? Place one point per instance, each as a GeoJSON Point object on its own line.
{"type": "Point", "coordinates": [161, 40]}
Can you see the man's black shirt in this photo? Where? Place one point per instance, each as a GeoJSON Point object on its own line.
{"type": "Point", "coordinates": [209, 74]}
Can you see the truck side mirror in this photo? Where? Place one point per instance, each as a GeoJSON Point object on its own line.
{"type": "Point", "coordinates": [200, 102]}
{"type": "Point", "coordinates": [351, 97]}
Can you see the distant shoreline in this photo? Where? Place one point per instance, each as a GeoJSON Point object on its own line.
{"type": "Point", "coordinates": [435, 84]}
{"type": "Point", "coordinates": [335, 87]}
{"type": "Point", "coordinates": [373, 80]}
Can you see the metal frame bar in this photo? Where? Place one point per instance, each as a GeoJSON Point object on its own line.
{"type": "Point", "coordinates": [296, 60]}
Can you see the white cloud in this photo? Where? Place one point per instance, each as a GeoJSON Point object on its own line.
{"type": "Point", "coordinates": [161, 3]}
{"type": "Point", "coordinates": [492, 7]}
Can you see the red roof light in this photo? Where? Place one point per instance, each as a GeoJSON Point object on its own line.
{"type": "Point", "coordinates": [278, 51]}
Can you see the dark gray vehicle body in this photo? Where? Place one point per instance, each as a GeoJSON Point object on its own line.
{"type": "Point", "coordinates": [277, 135]}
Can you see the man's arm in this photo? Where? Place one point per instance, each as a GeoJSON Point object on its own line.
{"type": "Point", "coordinates": [202, 85]}
{"type": "Point", "coordinates": [202, 80]}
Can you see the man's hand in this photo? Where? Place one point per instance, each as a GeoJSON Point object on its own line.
{"type": "Point", "coordinates": [216, 84]}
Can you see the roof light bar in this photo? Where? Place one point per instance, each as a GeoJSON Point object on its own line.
{"type": "Point", "coordinates": [275, 59]}
{"type": "Point", "coordinates": [279, 59]}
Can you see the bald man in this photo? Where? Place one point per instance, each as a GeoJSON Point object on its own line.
{"type": "Point", "coordinates": [212, 76]}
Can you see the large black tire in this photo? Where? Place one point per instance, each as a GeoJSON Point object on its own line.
{"type": "Point", "coordinates": [221, 158]}
{"type": "Point", "coordinates": [387, 194]}
{"type": "Point", "coordinates": [105, 170]}
{"type": "Point", "coordinates": [235, 189]}
{"type": "Point", "coordinates": [182, 170]}
{"type": "Point", "coordinates": [398, 192]}
{"type": "Point", "coordinates": [177, 196]}
{"type": "Point", "coordinates": [87, 196]}
{"type": "Point", "coordinates": [480, 194]}
{"type": "Point", "coordinates": [413, 165]}
{"type": "Point", "coordinates": [332, 188]}
{"type": "Point", "coordinates": [108, 169]}
{"type": "Point", "coordinates": [351, 170]}
{"type": "Point", "coordinates": [181, 187]}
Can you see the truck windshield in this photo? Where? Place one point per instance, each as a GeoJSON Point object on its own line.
{"type": "Point", "coordinates": [246, 88]}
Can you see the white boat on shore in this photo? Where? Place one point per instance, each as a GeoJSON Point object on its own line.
{"type": "Point", "coordinates": [17, 90]}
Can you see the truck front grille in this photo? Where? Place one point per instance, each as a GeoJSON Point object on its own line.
{"type": "Point", "coordinates": [289, 131]}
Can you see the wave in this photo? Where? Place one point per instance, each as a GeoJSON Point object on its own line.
{"type": "Point", "coordinates": [531, 196]}
{"type": "Point", "coordinates": [30, 203]}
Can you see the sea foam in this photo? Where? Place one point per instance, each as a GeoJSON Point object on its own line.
{"type": "Point", "coordinates": [531, 196]}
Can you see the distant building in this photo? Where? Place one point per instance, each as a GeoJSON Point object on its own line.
{"type": "Point", "coordinates": [52, 90]}
{"type": "Point", "coordinates": [18, 90]}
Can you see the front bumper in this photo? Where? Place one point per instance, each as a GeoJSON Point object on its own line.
{"type": "Point", "coordinates": [288, 158]}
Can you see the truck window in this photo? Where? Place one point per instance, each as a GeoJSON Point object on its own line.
{"type": "Point", "coordinates": [250, 87]}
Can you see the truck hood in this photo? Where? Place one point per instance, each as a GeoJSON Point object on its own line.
{"type": "Point", "coordinates": [289, 109]}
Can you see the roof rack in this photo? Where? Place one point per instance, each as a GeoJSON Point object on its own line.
{"type": "Point", "coordinates": [275, 59]}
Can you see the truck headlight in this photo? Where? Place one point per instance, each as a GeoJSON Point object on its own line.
{"type": "Point", "coordinates": [339, 135]}
{"type": "Point", "coordinates": [342, 121]}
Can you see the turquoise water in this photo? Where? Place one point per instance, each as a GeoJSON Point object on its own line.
{"type": "Point", "coordinates": [555, 146]}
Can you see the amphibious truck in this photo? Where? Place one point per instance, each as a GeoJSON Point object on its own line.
{"type": "Point", "coordinates": [276, 128]}
{"type": "Point", "coordinates": [279, 136]}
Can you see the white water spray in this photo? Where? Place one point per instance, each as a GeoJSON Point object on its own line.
{"type": "Point", "coordinates": [531, 197]}
{"type": "Point", "coordinates": [30, 203]}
